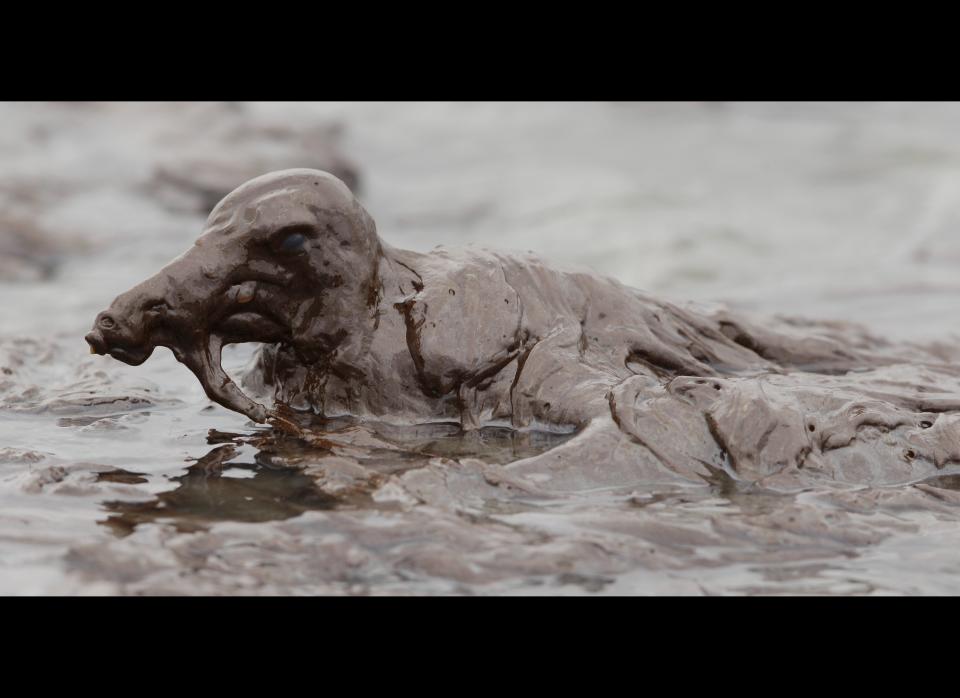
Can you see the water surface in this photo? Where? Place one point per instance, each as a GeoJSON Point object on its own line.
{"type": "Point", "coordinates": [120, 480]}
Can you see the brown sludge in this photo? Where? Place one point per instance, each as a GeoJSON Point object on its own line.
{"type": "Point", "coordinates": [656, 391]}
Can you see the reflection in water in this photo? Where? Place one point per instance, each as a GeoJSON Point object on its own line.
{"type": "Point", "coordinates": [205, 495]}
{"type": "Point", "coordinates": [278, 488]}
{"type": "Point", "coordinates": [124, 477]}
{"type": "Point", "coordinates": [491, 444]}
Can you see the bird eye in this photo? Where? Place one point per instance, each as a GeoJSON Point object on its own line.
{"type": "Point", "coordinates": [293, 242]}
{"type": "Point", "coordinates": [158, 307]}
